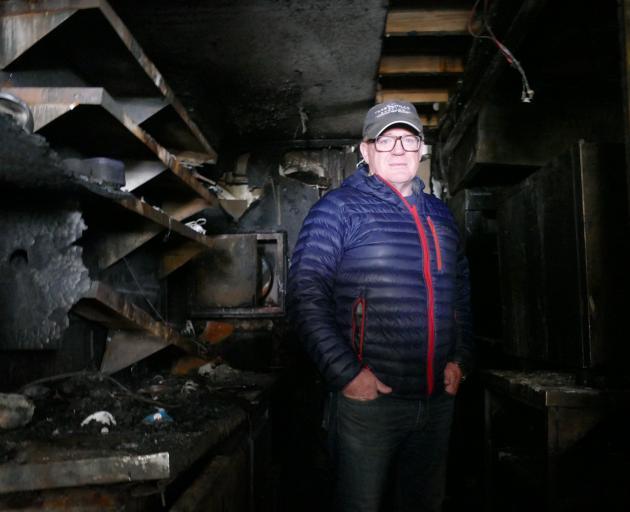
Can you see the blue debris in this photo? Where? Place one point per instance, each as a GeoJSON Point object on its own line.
{"type": "Point", "coordinates": [159, 417]}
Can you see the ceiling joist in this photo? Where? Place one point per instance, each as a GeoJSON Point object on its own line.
{"type": "Point", "coordinates": [413, 95]}
{"type": "Point", "coordinates": [420, 64]}
{"type": "Point", "coordinates": [405, 22]}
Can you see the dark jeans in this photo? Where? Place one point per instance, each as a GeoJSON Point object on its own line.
{"type": "Point", "coordinates": [391, 441]}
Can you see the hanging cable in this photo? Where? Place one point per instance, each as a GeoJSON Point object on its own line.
{"type": "Point", "coordinates": [527, 93]}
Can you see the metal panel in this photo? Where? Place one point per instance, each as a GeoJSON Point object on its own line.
{"type": "Point", "coordinates": [244, 275]}
{"type": "Point", "coordinates": [226, 276]}
{"type": "Point", "coordinates": [561, 250]}
{"type": "Point", "coordinates": [510, 141]}
{"type": "Point", "coordinates": [72, 473]}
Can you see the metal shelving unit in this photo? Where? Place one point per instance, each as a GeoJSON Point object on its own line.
{"type": "Point", "coordinates": [94, 93]}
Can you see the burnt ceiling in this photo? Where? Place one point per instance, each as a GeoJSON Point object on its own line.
{"type": "Point", "coordinates": [274, 70]}
{"type": "Point", "coordinates": [252, 71]}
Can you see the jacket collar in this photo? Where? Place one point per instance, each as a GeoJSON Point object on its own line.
{"type": "Point", "coordinates": [361, 180]}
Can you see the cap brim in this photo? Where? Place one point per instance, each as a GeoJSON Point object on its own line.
{"type": "Point", "coordinates": [411, 125]}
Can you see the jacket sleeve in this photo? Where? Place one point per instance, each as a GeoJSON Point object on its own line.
{"type": "Point", "coordinates": [310, 297]}
{"type": "Point", "coordinates": [463, 352]}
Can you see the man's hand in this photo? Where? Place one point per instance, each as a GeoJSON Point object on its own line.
{"type": "Point", "coordinates": [452, 378]}
{"type": "Point", "coordinates": [365, 386]}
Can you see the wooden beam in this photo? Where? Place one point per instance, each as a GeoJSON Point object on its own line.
{"type": "Point", "coordinates": [404, 22]}
{"type": "Point", "coordinates": [429, 121]}
{"type": "Point", "coordinates": [420, 64]}
{"type": "Point", "coordinates": [413, 95]}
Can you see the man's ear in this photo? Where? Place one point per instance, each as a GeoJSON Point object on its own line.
{"type": "Point", "coordinates": [364, 152]}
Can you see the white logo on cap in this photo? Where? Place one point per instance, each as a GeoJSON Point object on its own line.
{"type": "Point", "coordinates": [392, 108]}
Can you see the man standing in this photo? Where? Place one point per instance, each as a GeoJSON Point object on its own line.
{"type": "Point", "coordinates": [379, 294]}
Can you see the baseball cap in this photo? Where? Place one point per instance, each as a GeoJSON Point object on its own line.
{"type": "Point", "coordinates": [382, 116]}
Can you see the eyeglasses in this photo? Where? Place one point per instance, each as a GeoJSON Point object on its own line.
{"type": "Point", "coordinates": [384, 143]}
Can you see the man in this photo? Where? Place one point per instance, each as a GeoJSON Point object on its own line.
{"type": "Point", "coordinates": [379, 294]}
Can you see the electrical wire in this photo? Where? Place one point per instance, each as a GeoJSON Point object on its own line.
{"type": "Point", "coordinates": [141, 290]}
{"type": "Point", "coordinates": [202, 348]}
{"type": "Point", "coordinates": [527, 93]}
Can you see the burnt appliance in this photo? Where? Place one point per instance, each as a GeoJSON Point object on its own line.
{"type": "Point", "coordinates": [242, 276]}
{"type": "Point", "coordinates": [562, 243]}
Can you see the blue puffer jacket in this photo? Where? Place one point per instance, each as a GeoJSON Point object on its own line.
{"type": "Point", "coordinates": [378, 281]}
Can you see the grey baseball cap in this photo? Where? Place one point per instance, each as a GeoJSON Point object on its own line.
{"type": "Point", "coordinates": [382, 116]}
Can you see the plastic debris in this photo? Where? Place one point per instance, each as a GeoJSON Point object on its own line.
{"type": "Point", "coordinates": [15, 410]}
{"type": "Point", "coordinates": [158, 417]}
{"type": "Point", "coordinates": [102, 417]}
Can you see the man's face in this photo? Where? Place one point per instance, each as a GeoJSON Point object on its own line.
{"type": "Point", "coordinates": [397, 166]}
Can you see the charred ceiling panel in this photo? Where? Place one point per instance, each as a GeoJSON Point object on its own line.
{"type": "Point", "coordinates": [41, 275]}
{"type": "Point", "coordinates": [265, 70]}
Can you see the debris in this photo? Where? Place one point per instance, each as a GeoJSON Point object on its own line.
{"type": "Point", "coordinates": [215, 332]}
{"type": "Point", "coordinates": [15, 410]}
{"type": "Point", "coordinates": [197, 225]}
{"type": "Point", "coordinates": [158, 417]}
{"type": "Point", "coordinates": [103, 417]}
{"type": "Point", "coordinates": [221, 373]}
{"type": "Point", "coordinates": [186, 364]}
{"type": "Point", "coordinates": [189, 329]}
{"type": "Point", "coordinates": [189, 387]}
{"type": "Point", "coordinates": [36, 391]}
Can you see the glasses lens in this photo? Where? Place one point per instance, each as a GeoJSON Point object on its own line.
{"type": "Point", "coordinates": [385, 143]}
{"type": "Point", "coordinates": [410, 142]}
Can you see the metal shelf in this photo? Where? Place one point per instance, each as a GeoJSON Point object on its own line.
{"type": "Point", "coordinates": [109, 308]}
{"type": "Point", "coordinates": [82, 43]}
{"type": "Point", "coordinates": [119, 223]}
{"type": "Point", "coordinates": [91, 122]}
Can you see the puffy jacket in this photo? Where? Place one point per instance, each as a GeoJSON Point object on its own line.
{"type": "Point", "coordinates": [381, 282]}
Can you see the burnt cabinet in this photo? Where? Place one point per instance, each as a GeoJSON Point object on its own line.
{"type": "Point", "coordinates": [562, 253]}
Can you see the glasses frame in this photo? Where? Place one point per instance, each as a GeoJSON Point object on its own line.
{"type": "Point", "coordinates": [396, 139]}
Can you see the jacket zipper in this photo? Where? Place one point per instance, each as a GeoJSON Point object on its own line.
{"type": "Point", "coordinates": [358, 310]}
{"type": "Point", "coordinates": [436, 242]}
{"type": "Point", "coordinates": [426, 270]}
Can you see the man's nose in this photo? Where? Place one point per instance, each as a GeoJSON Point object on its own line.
{"type": "Point", "coordinates": [398, 147]}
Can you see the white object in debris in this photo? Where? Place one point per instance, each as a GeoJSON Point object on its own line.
{"type": "Point", "coordinates": [102, 417]}
{"type": "Point", "coordinates": [189, 387]}
{"type": "Point", "coordinates": [218, 373]}
{"type": "Point", "coordinates": [197, 225]}
{"type": "Point", "coordinates": [15, 410]}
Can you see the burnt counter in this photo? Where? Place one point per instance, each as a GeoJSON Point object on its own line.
{"type": "Point", "coordinates": [203, 444]}
{"type": "Point", "coordinates": [553, 444]}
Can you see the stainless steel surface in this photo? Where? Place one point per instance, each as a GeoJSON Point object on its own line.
{"type": "Point", "coordinates": [232, 281]}
{"type": "Point", "coordinates": [73, 473]}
